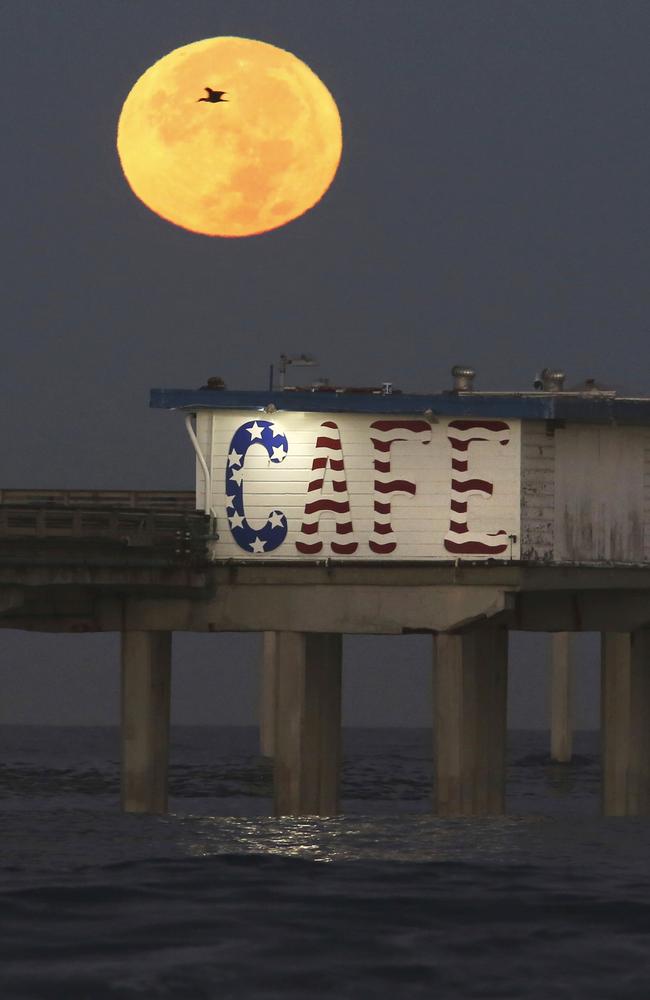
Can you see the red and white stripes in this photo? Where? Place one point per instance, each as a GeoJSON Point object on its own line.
{"type": "Point", "coordinates": [383, 434]}
{"type": "Point", "coordinates": [328, 454]}
{"type": "Point", "coordinates": [459, 539]}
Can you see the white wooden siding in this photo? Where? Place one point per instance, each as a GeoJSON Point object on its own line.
{"type": "Point", "coordinates": [420, 522]}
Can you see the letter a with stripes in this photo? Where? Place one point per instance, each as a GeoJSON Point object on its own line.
{"type": "Point", "coordinates": [328, 456]}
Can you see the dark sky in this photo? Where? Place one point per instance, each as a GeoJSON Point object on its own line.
{"type": "Point", "coordinates": [491, 208]}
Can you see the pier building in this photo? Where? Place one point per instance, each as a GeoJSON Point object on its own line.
{"type": "Point", "coordinates": [321, 512]}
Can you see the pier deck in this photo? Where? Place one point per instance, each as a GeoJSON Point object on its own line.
{"type": "Point", "coordinates": [139, 563]}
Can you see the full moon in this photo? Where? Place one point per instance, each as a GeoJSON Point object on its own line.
{"type": "Point", "coordinates": [246, 162]}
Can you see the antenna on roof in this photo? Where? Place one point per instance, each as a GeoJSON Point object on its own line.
{"type": "Point", "coordinates": [296, 361]}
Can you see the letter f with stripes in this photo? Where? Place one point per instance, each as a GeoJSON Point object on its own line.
{"type": "Point", "coordinates": [384, 434]}
{"type": "Point", "coordinates": [328, 456]}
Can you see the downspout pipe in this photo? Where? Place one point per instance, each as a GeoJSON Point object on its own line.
{"type": "Point", "coordinates": [202, 462]}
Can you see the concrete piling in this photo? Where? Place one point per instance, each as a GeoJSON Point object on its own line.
{"type": "Point", "coordinates": [625, 733]}
{"type": "Point", "coordinates": [267, 694]}
{"type": "Point", "coordinates": [146, 686]}
{"type": "Point", "coordinates": [561, 698]}
{"type": "Point", "coordinates": [470, 676]}
{"type": "Point", "coordinates": [307, 724]}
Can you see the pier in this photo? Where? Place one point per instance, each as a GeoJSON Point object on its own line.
{"type": "Point", "coordinates": [318, 514]}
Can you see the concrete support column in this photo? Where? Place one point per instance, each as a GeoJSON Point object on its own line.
{"type": "Point", "coordinates": [308, 724]}
{"type": "Point", "coordinates": [561, 698]}
{"type": "Point", "coordinates": [625, 723]}
{"type": "Point", "coordinates": [267, 694]}
{"type": "Point", "coordinates": [146, 686]}
{"type": "Point", "coordinates": [470, 682]}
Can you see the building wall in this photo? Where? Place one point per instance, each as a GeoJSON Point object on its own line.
{"type": "Point", "coordinates": [386, 490]}
{"type": "Point", "coordinates": [599, 494]}
{"type": "Point", "coordinates": [537, 492]}
{"type": "Point", "coordinates": [585, 493]}
{"type": "Point", "coordinates": [646, 498]}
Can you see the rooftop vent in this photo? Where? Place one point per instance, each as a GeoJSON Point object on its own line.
{"type": "Point", "coordinates": [549, 380]}
{"type": "Point", "coordinates": [214, 382]}
{"type": "Point", "coordinates": [463, 378]}
{"type": "Point", "coordinates": [592, 385]}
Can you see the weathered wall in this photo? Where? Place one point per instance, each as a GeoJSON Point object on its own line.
{"type": "Point", "coordinates": [316, 485]}
{"type": "Point", "coordinates": [537, 492]}
{"type": "Point", "coordinates": [599, 494]}
{"type": "Point", "coordinates": [585, 493]}
{"type": "Point", "coordinates": [646, 498]}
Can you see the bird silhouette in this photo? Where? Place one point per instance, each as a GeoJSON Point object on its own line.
{"type": "Point", "coordinates": [214, 96]}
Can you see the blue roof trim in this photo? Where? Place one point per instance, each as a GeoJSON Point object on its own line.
{"type": "Point", "coordinates": [582, 409]}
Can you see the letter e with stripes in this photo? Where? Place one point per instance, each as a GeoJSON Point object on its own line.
{"type": "Point", "coordinates": [460, 539]}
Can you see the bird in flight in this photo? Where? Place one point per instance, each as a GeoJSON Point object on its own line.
{"type": "Point", "coordinates": [214, 96]}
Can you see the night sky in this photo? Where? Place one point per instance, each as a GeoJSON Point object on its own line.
{"type": "Point", "coordinates": [491, 208]}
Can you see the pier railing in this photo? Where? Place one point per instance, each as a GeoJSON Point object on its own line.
{"type": "Point", "coordinates": [162, 520]}
{"type": "Point", "coordinates": [149, 499]}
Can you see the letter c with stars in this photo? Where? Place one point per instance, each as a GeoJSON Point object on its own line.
{"type": "Point", "coordinates": [274, 441]}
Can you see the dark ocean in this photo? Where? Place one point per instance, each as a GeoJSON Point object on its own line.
{"type": "Point", "coordinates": [219, 900]}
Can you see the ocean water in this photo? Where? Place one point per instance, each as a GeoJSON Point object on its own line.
{"type": "Point", "coordinates": [217, 900]}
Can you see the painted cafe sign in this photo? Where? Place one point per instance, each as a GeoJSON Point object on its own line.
{"type": "Point", "coordinates": [311, 486]}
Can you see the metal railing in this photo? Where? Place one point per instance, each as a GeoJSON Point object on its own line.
{"type": "Point", "coordinates": [106, 499]}
{"type": "Point", "coordinates": [152, 519]}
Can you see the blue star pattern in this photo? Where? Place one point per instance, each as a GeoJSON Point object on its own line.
{"type": "Point", "coordinates": [274, 532]}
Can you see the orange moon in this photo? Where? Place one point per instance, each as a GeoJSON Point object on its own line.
{"type": "Point", "coordinates": [260, 157]}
